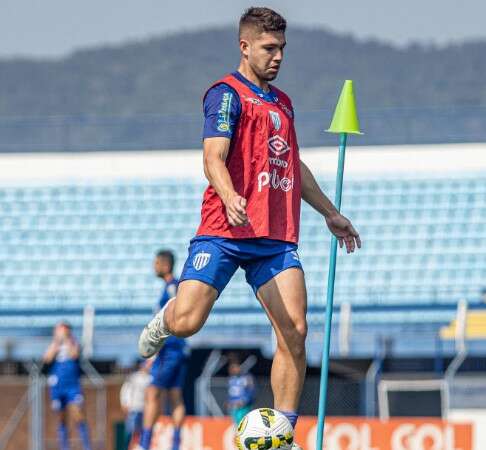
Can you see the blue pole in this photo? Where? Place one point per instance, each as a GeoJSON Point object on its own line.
{"type": "Point", "coordinates": [330, 298]}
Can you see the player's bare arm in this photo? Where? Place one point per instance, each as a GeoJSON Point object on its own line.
{"type": "Point", "coordinates": [73, 348]}
{"type": "Point", "coordinates": [51, 352]}
{"type": "Point", "coordinates": [339, 225]}
{"type": "Point", "coordinates": [215, 153]}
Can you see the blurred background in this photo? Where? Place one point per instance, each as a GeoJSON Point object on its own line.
{"type": "Point", "coordinates": [100, 167]}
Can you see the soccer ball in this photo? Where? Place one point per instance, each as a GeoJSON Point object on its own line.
{"type": "Point", "coordinates": [264, 429]}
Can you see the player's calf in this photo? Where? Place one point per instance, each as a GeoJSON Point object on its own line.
{"type": "Point", "coordinates": [182, 325]}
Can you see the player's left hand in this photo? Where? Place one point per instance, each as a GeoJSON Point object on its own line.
{"type": "Point", "coordinates": [343, 229]}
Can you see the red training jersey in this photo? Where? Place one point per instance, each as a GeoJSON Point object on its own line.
{"type": "Point", "coordinates": [264, 165]}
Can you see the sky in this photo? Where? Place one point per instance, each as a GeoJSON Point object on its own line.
{"type": "Point", "coordinates": [53, 28]}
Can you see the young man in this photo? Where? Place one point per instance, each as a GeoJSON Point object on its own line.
{"type": "Point", "coordinates": [251, 209]}
{"type": "Point", "coordinates": [168, 369]}
{"type": "Point", "coordinates": [64, 382]}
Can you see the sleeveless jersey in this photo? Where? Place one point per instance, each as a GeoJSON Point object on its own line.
{"type": "Point", "coordinates": [264, 165]}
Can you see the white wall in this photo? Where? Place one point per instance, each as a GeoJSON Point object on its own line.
{"type": "Point", "coordinates": [428, 160]}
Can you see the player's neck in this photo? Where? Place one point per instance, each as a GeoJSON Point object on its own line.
{"type": "Point", "coordinates": [251, 76]}
{"type": "Point", "coordinates": [168, 278]}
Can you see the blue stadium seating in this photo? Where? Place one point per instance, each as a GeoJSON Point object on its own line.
{"type": "Point", "coordinates": [424, 241]}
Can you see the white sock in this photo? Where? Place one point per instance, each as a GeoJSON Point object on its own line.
{"type": "Point", "coordinates": [162, 314]}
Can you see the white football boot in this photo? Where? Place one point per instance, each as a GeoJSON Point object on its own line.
{"type": "Point", "coordinates": [154, 334]}
{"type": "Point", "coordinates": [295, 447]}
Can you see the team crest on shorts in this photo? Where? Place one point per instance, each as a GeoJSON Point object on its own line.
{"type": "Point", "coordinates": [201, 260]}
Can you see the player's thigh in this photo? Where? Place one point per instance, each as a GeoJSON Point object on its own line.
{"type": "Point", "coordinates": [207, 271]}
{"type": "Point", "coordinates": [284, 299]}
{"type": "Point", "coordinates": [193, 303]}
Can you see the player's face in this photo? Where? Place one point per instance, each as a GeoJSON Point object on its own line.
{"type": "Point", "coordinates": [61, 332]}
{"type": "Point", "coordinates": [264, 52]}
{"type": "Point", "coordinates": [234, 369]}
{"type": "Point", "coordinates": [161, 267]}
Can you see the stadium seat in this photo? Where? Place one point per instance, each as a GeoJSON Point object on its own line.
{"type": "Point", "coordinates": [93, 244]}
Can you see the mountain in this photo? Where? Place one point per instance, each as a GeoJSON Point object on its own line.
{"type": "Point", "coordinates": [148, 94]}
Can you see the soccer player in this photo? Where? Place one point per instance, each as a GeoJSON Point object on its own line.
{"type": "Point", "coordinates": [241, 390]}
{"type": "Point", "coordinates": [169, 367]}
{"type": "Point", "coordinates": [64, 382]}
{"type": "Point", "coordinates": [251, 209]}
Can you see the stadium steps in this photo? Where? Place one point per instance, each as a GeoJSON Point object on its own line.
{"type": "Point", "coordinates": [424, 242]}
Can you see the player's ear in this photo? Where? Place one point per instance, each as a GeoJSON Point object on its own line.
{"type": "Point", "coordinates": [244, 47]}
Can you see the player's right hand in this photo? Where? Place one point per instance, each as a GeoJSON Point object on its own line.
{"type": "Point", "coordinates": [236, 211]}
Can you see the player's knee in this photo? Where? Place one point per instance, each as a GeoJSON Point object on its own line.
{"type": "Point", "coordinates": [300, 337]}
{"type": "Point", "coordinates": [294, 337]}
{"type": "Point", "coordinates": [301, 330]}
{"type": "Point", "coordinates": [185, 325]}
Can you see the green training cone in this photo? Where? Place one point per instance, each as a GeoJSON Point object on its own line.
{"type": "Point", "coordinates": [345, 119]}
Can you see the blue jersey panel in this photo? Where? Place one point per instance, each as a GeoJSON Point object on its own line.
{"type": "Point", "coordinates": [222, 109]}
{"type": "Point", "coordinates": [241, 390]}
{"type": "Point", "coordinates": [64, 371]}
{"type": "Point", "coordinates": [169, 291]}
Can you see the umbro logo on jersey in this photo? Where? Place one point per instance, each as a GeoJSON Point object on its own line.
{"type": "Point", "coordinates": [253, 100]}
{"type": "Point", "coordinates": [278, 145]}
{"type": "Point", "coordinates": [201, 260]}
{"type": "Point", "coordinates": [277, 123]}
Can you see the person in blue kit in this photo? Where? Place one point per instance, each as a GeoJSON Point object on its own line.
{"type": "Point", "coordinates": [168, 367]}
{"type": "Point", "coordinates": [241, 390]}
{"type": "Point", "coordinates": [64, 382]}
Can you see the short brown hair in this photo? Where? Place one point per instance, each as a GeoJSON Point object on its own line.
{"type": "Point", "coordinates": [262, 20]}
{"type": "Point", "coordinates": [168, 256]}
